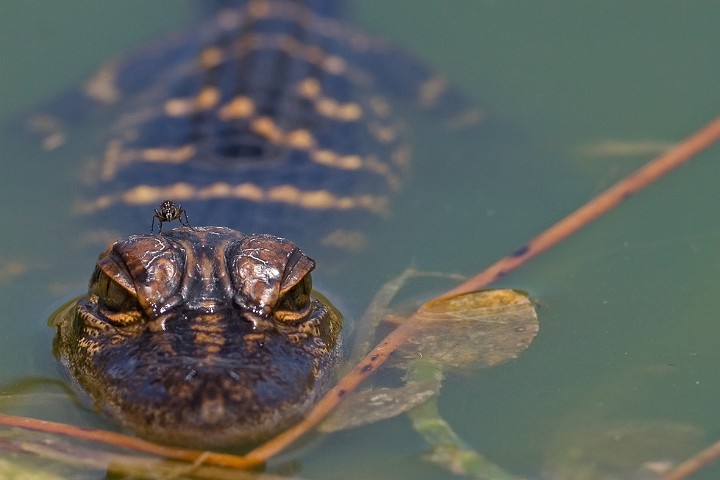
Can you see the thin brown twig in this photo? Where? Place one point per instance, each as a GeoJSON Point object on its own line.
{"type": "Point", "coordinates": [364, 369]}
{"type": "Point", "coordinates": [137, 467]}
{"type": "Point", "coordinates": [601, 204]}
{"type": "Point", "coordinates": [693, 464]}
{"type": "Point", "coordinates": [124, 441]}
{"type": "Point", "coordinates": [592, 210]}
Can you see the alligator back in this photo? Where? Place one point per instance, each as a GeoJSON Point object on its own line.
{"type": "Point", "coordinates": [268, 117]}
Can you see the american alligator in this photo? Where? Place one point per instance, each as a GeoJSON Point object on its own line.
{"type": "Point", "coordinates": [267, 117]}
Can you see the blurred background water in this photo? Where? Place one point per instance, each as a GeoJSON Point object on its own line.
{"type": "Point", "coordinates": [578, 94]}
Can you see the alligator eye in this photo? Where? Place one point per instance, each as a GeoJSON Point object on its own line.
{"type": "Point", "coordinates": [111, 295]}
{"type": "Point", "coordinates": [295, 305]}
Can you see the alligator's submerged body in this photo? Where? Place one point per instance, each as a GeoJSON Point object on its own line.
{"type": "Point", "coordinates": [272, 116]}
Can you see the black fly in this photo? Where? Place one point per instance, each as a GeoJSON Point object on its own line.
{"type": "Point", "coordinates": [168, 212]}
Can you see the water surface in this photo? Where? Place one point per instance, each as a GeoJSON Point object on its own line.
{"type": "Point", "coordinates": [628, 306]}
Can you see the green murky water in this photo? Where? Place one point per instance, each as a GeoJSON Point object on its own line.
{"type": "Point", "coordinates": [629, 326]}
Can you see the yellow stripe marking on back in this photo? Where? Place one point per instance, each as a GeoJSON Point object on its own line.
{"type": "Point", "coordinates": [207, 99]}
{"type": "Point", "coordinates": [310, 89]}
{"type": "Point", "coordinates": [431, 90]}
{"type": "Point", "coordinates": [239, 107]}
{"type": "Point", "coordinates": [287, 194]}
{"type": "Point", "coordinates": [211, 57]}
{"type": "Point", "coordinates": [168, 155]}
{"type": "Point", "coordinates": [102, 87]}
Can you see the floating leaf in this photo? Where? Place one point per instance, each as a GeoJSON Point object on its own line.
{"type": "Point", "coordinates": [477, 329]}
{"type": "Point", "coordinates": [473, 330]}
{"type": "Point", "coordinates": [375, 404]}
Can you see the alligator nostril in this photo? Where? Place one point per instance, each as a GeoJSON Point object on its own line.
{"type": "Point", "coordinates": [212, 408]}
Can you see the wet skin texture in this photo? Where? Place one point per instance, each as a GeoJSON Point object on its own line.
{"type": "Point", "coordinates": [201, 336]}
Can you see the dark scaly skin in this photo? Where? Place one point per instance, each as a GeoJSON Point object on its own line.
{"type": "Point", "coordinates": [201, 336]}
